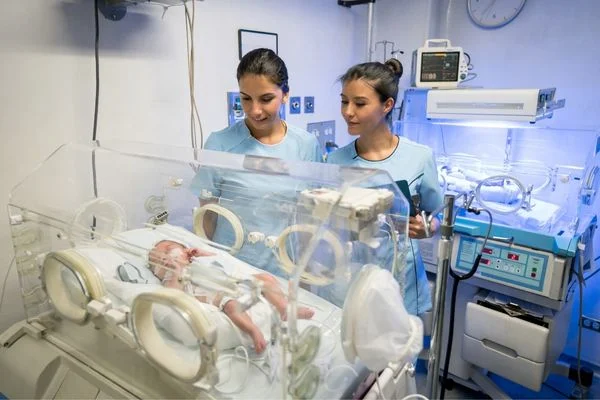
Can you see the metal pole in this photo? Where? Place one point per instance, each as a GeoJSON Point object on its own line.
{"type": "Point", "coordinates": [441, 279]}
{"type": "Point", "coordinates": [370, 32]}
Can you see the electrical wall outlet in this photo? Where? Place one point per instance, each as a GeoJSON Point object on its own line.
{"type": "Point", "coordinates": [235, 112]}
{"type": "Point", "coordinates": [295, 105]}
{"type": "Point", "coordinates": [324, 131]}
{"type": "Point", "coordinates": [590, 323]}
{"type": "Point", "coordinates": [309, 104]}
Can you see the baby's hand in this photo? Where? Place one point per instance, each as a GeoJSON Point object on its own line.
{"type": "Point", "coordinates": [196, 252]}
{"type": "Point", "coordinates": [260, 344]}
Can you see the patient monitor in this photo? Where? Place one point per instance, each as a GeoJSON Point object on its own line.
{"type": "Point", "coordinates": [438, 65]}
{"type": "Point", "coordinates": [101, 323]}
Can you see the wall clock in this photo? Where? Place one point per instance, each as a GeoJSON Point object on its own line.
{"type": "Point", "coordinates": [494, 13]}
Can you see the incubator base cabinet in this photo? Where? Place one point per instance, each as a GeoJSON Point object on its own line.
{"type": "Point", "coordinates": [47, 367]}
{"type": "Point", "coordinates": [38, 364]}
{"type": "Point", "coordinates": [146, 273]}
{"type": "Point", "coordinates": [540, 186]}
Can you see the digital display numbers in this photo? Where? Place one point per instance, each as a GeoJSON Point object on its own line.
{"type": "Point", "coordinates": [513, 257]}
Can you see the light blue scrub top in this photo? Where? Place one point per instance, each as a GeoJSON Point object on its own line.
{"type": "Point", "coordinates": [259, 200]}
{"type": "Point", "coordinates": [409, 161]}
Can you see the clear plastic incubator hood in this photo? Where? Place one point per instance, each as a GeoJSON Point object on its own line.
{"type": "Point", "coordinates": [153, 272]}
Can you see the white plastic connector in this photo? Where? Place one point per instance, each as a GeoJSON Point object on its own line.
{"type": "Point", "coordinates": [34, 329]}
{"type": "Point", "coordinates": [271, 241]}
{"type": "Point", "coordinates": [206, 194]}
{"type": "Point", "coordinates": [16, 219]}
{"type": "Point", "coordinates": [97, 308]}
{"type": "Point", "coordinates": [116, 317]}
{"type": "Point", "coordinates": [39, 259]}
{"type": "Point", "coordinates": [176, 182]}
{"type": "Point", "coordinates": [255, 237]}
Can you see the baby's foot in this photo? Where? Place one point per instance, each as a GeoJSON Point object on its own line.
{"type": "Point", "coordinates": [260, 344]}
{"type": "Point", "coordinates": [303, 313]}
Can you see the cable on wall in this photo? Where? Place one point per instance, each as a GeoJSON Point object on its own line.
{"type": "Point", "coordinates": [96, 46]}
{"type": "Point", "coordinates": [96, 101]}
{"type": "Point", "coordinates": [194, 115]}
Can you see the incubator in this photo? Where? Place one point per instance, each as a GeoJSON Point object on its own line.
{"type": "Point", "coordinates": [539, 183]}
{"type": "Point", "coordinates": [159, 272]}
{"type": "Point", "coordinates": [540, 186]}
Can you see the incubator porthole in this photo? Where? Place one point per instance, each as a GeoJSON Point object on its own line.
{"type": "Point", "coordinates": [166, 332]}
{"type": "Point", "coordinates": [328, 259]}
{"type": "Point", "coordinates": [74, 289]}
{"type": "Point", "coordinates": [96, 219]}
{"type": "Point", "coordinates": [68, 289]}
{"type": "Point", "coordinates": [231, 233]}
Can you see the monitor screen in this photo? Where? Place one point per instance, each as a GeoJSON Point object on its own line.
{"type": "Point", "coordinates": [440, 66]}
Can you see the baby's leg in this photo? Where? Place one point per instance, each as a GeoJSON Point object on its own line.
{"type": "Point", "coordinates": [243, 321]}
{"type": "Point", "coordinates": [275, 296]}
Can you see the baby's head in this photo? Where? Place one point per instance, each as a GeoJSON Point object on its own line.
{"type": "Point", "coordinates": [172, 255]}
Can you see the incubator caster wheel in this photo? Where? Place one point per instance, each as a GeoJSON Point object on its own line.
{"type": "Point", "coordinates": [449, 384]}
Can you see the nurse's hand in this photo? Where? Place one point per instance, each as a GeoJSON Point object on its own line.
{"type": "Point", "coordinates": [417, 230]}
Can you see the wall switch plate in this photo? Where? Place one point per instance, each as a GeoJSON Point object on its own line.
{"type": "Point", "coordinates": [295, 105]}
{"type": "Point", "coordinates": [590, 323]}
{"type": "Point", "coordinates": [309, 104]}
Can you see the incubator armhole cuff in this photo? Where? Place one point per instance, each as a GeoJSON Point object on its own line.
{"type": "Point", "coordinates": [329, 237]}
{"type": "Point", "coordinates": [236, 224]}
{"type": "Point", "coordinates": [158, 351]}
{"type": "Point", "coordinates": [87, 277]}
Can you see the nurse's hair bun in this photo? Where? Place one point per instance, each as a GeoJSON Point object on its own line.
{"type": "Point", "coordinates": [395, 66]}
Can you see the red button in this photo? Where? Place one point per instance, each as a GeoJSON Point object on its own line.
{"type": "Point", "coordinates": [533, 274]}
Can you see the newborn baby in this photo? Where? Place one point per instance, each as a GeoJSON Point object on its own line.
{"type": "Point", "coordinates": [175, 257]}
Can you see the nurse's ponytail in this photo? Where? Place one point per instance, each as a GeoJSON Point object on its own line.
{"type": "Point", "coordinates": [396, 67]}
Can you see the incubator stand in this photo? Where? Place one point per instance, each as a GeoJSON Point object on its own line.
{"type": "Point", "coordinates": [111, 314]}
{"type": "Point", "coordinates": [540, 185]}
